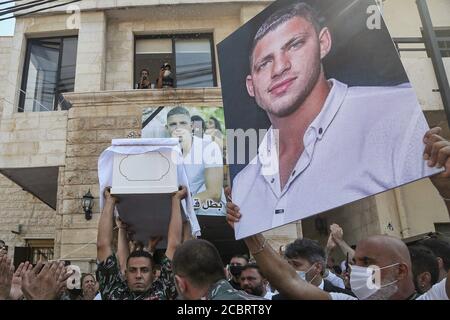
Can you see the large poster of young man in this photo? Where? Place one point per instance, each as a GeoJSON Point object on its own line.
{"type": "Point", "coordinates": [200, 131]}
{"type": "Point", "coordinates": [324, 77]}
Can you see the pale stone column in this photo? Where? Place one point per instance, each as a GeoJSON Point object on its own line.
{"type": "Point", "coordinates": [5, 49]}
{"type": "Point", "coordinates": [299, 229]}
{"type": "Point", "coordinates": [251, 10]}
{"type": "Point", "coordinates": [283, 235]}
{"type": "Point", "coordinates": [91, 52]}
{"type": "Point", "coordinates": [13, 77]}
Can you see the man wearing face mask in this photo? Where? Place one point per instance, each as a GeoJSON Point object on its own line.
{"type": "Point", "coordinates": [382, 264]}
{"type": "Point", "coordinates": [382, 270]}
{"type": "Point", "coordinates": [165, 79]}
{"type": "Point", "coordinates": [393, 278]}
{"type": "Point", "coordinates": [308, 259]}
{"type": "Point", "coordinates": [236, 266]}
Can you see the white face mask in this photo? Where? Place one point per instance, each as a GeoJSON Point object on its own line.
{"type": "Point", "coordinates": [302, 274]}
{"type": "Point", "coordinates": [366, 283]}
{"type": "Point", "coordinates": [167, 73]}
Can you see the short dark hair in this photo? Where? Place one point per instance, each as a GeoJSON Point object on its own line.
{"type": "Point", "coordinates": [297, 9]}
{"type": "Point", "coordinates": [141, 254]}
{"type": "Point", "coordinates": [307, 249]}
{"type": "Point", "coordinates": [144, 69]}
{"type": "Point", "coordinates": [424, 260]}
{"type": "Point", "coordinates": [241, 256]}
{"type": "Point", "coordinates": [178, 110]}
{"type": "Point", "coordinates": [441, 249]}
{"type": "Point", "coordinates": [199, 261]}
{"type": "Point", "coordinates": [2, 243]}
{"type": "Point", "coordinates": [337, 269]}
{"type": "Point", "coordinates": [252, 266]}
{"type": "Point", "coordinates": [196, 118]}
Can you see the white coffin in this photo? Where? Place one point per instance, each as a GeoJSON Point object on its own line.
{"type": "Point", "coordinates": [144, 184]}
{"type": "Point", "coordinates": [147, 173]}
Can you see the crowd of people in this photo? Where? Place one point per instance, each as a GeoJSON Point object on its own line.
{"type": "Point", "coordinates": [379, 267]}
{"type": "Point", "coordinates": [164, 79]}
{"type": "Point", "coordinates": [192, 269]}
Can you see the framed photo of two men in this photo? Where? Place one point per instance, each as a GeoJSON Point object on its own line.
{"type": "Point", "coordinates": [322, 111]}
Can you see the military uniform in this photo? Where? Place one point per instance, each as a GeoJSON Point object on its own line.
{"type": "Point", "coordinates": [222, 290]}
{"type": "Point", "coordinates": [114, 287]}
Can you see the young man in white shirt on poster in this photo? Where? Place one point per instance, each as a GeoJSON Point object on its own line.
{"type": "Point", "coordinates": [329, 144]}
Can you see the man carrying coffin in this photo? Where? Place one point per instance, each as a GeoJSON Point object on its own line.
{"type": "Point", "coordinates": [138, 283]}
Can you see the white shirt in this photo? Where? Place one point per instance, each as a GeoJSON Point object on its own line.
{"type": "Point", "coordinates": [437, 292]}
{"type": "Point", "coordinates": [321, 285]}
{"type": "Point", "coordinates": [204, 154]}
{"type": "Point", "coordinates": [341, 296]}
{"type": "Point", "coordinates": [268, 295]}
{"type": "Point", "coordinates": [364, 141]}
{"type": "Point", "coordinates": [343, 266]}
{"type": "Point", "coordinates": [335, 280]}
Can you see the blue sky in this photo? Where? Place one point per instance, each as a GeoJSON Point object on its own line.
{"type": "Point", "coordinates": [7, 26]}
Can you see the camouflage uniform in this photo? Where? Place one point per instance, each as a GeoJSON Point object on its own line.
{"type": "Point", "coordinates": [222, 290]}
{"type": "Point", "coordinates": [114, 287]}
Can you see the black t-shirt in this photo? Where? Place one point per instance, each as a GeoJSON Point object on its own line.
{"type": "Point", "coordinates": [143, 86]}
{"type": "Point", "coordinates": [167, 82]}
{"type": "Point", "coordinates": [235, 285]}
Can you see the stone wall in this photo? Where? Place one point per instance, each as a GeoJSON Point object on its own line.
{"type": "Point", "coordinates": [20, 207]}
{"type": "Point", "coordinates": [285, 234]}
{"type": "Point", "coordinates": [5, 49]}
{"type": "Point", "coordinates": [358, 220]}
{"type": "Point", "coordinates": [76, 138]}
{"type": "Point", "coordinates": [33, 139]}
{"type": "Point", "coordinates": [420, 207]}
{"type": "Point", "coordinates": [93, 121]}
{"type": "Point", "coordinates": [91, 54]}
{"type": "Point", "coordinates": [93, 5]}
{"type": "Point", "coordinates": [25, 28]}
{"type": "Point", "coordinates": [184, 19]}
{"type": "Point", "coordinates": [408, 23]}
{"type": "Point", "coordinates": [403, 212]}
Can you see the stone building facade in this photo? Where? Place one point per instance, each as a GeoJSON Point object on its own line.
{"type": "Point", "coordinates": [48, 160]}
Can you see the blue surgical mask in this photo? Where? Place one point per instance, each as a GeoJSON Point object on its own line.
{"type": "Point", "coordinates": [302, 274]}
